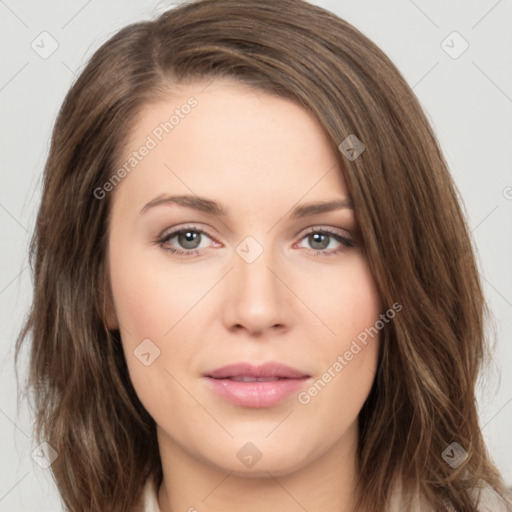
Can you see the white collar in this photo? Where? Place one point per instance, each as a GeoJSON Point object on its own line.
{"type": "Point", "coordinates": [150, 498]}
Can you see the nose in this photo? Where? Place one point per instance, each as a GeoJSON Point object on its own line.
{"type": "Point", "coordinates": [258, 300]}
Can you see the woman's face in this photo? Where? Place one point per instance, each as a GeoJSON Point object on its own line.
{"type": "Point", "coordinates": [270, 281]}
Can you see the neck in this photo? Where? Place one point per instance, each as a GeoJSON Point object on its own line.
{"type": "Point", "coordinates": [326, 483]}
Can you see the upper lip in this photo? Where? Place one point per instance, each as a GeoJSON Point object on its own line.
{"type": "Point", "coordinates": [243, 369]}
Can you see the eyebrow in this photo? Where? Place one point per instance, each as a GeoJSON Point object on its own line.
{"type": "Point", "coordinates": [212, 207]}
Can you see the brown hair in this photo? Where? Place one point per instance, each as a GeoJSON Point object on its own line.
{"type": "Point", "coordinates": [413, 230]}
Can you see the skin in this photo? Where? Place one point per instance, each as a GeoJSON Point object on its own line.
{"type": "Point", "coordinates": [259, 156]}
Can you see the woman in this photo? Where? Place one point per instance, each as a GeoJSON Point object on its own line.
{"type": "Point", "coordinates": [254, 285]}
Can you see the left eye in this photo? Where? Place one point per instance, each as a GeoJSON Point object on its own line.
{"type": "Point", "coordinates": [320, 240]}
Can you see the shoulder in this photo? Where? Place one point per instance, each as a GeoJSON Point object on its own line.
{"type": "Point", "coordinates": [489, 500]}
{"type": "Point", "coordinates": [484, 497]}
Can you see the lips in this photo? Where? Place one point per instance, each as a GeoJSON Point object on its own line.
{"type": "Point", "coordinates": [246, 385]}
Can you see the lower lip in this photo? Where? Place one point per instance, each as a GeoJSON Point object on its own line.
{"type": "Point", "coordinates": [256, 394]}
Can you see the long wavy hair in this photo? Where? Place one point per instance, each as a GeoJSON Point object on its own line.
{"type": "Point", "coordinates": [413, 229]}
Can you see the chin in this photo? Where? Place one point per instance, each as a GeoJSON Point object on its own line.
{"type": "Point", "coordinates": [258, 458]}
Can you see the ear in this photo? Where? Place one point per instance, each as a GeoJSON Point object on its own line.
{"type": "Point", "coordinates": [108, 311]}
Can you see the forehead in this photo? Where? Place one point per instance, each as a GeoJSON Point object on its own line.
{"type": "Point", "coordinates": [223, 138]}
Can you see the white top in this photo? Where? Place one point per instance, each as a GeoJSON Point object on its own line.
{"type": "Point", "coordinates": [150, 500]}
{"type": "Point", "coordinates": [489, 501]}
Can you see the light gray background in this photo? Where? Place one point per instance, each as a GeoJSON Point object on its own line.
{"type": "Point", "coordinates": [468, 101]}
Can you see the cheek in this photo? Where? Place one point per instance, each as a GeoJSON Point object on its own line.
{"type": "Point", "coordinates": [345, 299]}
{"type": "Point", "coordinates": [148, 302]}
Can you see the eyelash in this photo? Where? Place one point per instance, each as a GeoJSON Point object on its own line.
{"type": "Point", "coordinates": [162, 240]}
